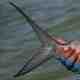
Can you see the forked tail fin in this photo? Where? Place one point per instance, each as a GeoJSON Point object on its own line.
{"type": "Point", "coordinates": [43, 54]}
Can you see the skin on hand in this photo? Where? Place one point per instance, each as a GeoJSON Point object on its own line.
{"type": "Point", "coordinates": [70, 52]}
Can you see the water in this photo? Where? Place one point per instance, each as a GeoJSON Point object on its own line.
{"type": "Point", "coordinates": [17, 38]}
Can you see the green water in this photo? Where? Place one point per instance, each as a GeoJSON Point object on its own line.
{"type": "Point", "coordinates": [17, 38]}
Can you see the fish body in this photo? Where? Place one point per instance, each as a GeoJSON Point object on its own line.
{"type": "Point", "coordinates": [66, 52]}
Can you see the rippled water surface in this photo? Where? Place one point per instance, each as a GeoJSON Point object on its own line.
{"type": "Point", "coordinates": [17, 39]}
